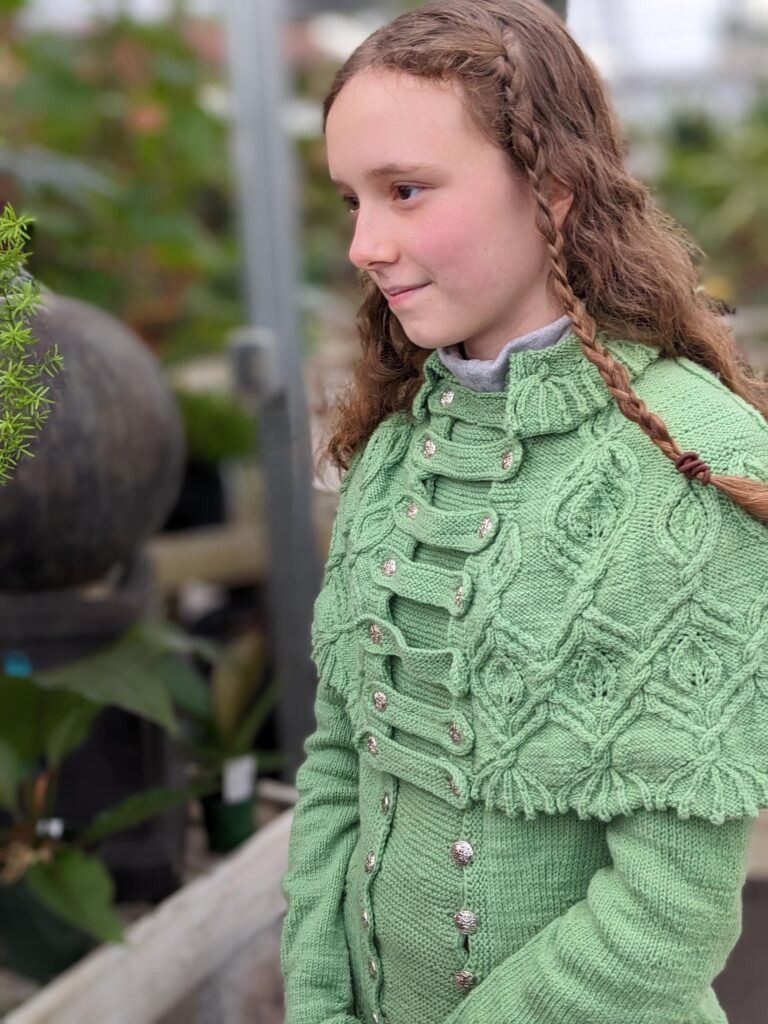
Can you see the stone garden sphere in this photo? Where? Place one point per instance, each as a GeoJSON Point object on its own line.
{"type": "Point", "coordinates": [108, 460]}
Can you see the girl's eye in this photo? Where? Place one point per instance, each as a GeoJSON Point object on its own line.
{"type": "Point", "coordinates": [405, 188]}
{"type": "Point", "coordinates": [349, 201]}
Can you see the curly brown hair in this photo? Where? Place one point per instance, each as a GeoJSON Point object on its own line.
{"type": "Point", "coordinates": [618, 265]}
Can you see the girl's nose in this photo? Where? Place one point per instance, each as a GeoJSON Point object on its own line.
{"type": "Point", "coordinates": [372, 243]}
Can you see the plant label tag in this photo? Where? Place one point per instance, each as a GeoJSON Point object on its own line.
{"type": "Point", "coordinates": [238, 779]}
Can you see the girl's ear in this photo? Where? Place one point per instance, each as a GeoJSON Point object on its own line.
{"type": "Point", "coordinates": [560, 199]}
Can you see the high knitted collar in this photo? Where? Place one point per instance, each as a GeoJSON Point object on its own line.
{"type": "Point", "coordinates": [547, 391]}
{"type": "Point", "coordinates": [490, 374]}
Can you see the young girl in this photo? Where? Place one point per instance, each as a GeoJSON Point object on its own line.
{"type": "Point", "coordinates": [542, 712]}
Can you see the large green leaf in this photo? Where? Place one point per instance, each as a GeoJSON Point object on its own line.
{"type": "Point", "coordinates": [135, 808]}
{"type": "Point", "coordinates": [186, 686]}
{"type": "Point", "coordinates": [79, 889]}
{"type": "Point", "coordinates": [10, 776]}
{"type": "Point", "coordinates": [70, 730]}
{"type": "Point", "coordinates": [35, 722]}
{"type": "Point", "coordinates": [134, 673]}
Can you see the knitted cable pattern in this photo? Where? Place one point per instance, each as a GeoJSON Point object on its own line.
{"type": "Point", "coordinates": [611, 663]}
{"type": "Point", "coordinates": [549, 646]}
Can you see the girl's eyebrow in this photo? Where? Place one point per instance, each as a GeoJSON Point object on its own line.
{"type": "Point", "coordinates": [386, 170]}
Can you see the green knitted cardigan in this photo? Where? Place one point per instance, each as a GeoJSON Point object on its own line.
{"type": "Point", "coordinates": [542, 710]}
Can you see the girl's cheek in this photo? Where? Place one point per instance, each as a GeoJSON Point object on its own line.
{"type": "Point", "coordinates": [442, 237]}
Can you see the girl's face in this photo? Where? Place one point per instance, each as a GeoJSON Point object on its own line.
{"type": "Point", "coordinates": [436, 207]}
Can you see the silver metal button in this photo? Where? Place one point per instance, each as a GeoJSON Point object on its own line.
{"type": "Point", "coordinates": [385, 803]}
{"type": "Point", "coordinates": [372, 969]}
{"type": "Point", "coordinates": [373, 746]}
{"type": "Point", "coordinates": [446, 398]}
{"type": "Point", "coordinates": [375, 633]}
{"type": "Point", "coordinates": [462, 852]}
{"type": "Point", "coordinates": [380, 700]}
{"type": "Point", "coordinates": [458, 597]}
{"type": "Point", "coordinates": [429, 448]}
{"type": "Point", "coordinates": [412, 509]}
{"type": "Point", "coordinates": [507, 459]}
{"type": "Point", "coordinates": [465, 921]}
{"type": "Point", "coordinates": [464, 979]}
{"type": "Point", "coordinates": [375, 1018]}
{"type": "Point", "coordinates": [456, 734]}
{"type": "Point", "coordinates": [364, 920]}
{"type": "Point", "coordinates": [389, 567]}
{"type": "Point", "coordinates": [370, 860]}
{"type": "Point", "coordinates": [485, 526]}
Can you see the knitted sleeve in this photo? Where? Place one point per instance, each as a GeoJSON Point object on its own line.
{"type": "Point", "coordinates": [643, 946]}
{"type": "Point", "coordinates": [314, 955]}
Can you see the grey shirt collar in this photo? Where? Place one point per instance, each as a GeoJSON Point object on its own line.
{"type": "Point", "coordinates": [491, 374]}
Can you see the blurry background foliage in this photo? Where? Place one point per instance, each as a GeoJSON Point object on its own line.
{"type": "Point", "coordinates": [714, 180]}
{"type": "Point", "coordinates": [109, 142]}
{"type": "Point", "coordinates": [117, 141]}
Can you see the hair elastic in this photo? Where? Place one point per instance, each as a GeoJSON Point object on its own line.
{"type": "Point", "coordinates": [691, 466]}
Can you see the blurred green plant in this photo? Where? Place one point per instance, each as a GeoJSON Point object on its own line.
{"type": "Point", "coordinates": [238, 699]}
{"type": "Point", "coordinates": [117, 138]}
{"type": "Point", "coordinates": [23, 401]}
{"type": "Point", "coordinates": [47, 715]}
{"type": "Point", "coordinates": [713, 181]}
{"type": "Point", "coordinates": [216, 426]}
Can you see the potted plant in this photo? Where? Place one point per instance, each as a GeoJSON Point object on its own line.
{"type": "Point", "coordinates": [221, 740]}
{"type": "Point", "coordinates": [56, 895]}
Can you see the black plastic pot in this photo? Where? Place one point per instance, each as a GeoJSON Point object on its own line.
{"type": "Point", "coordinates": [227, 825]}
{"type": "Point", "coordinates": [37, 943]}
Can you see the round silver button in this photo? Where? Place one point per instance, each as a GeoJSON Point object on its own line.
{"type": "Point", "coordinates": [507, 460]}
{"type": "Point", "coordinates": [429, 448]}
{"type": "Point", "coordinates": [462, 852]}
{"type": "Point", "coordinates": [373, 746]}
{"type": "Point", "coordinates": [465, 921]}
{"type": "Point", "coordinates": [458, 597]}
{"type": "Point", "coordinates": [464, 979]}
{"type": "Point", "coordinates": [370, 860]}
{"type": "Point", "coordinates": [446, 398]}
{"type": "Point", "coordinates": [380, 700]}
{"type": "Point", "coordinates": [412, 509]}
{"type": "Point", "coordinates": [485, 526]}
{"type": "Point", "coordinates": [389, 568]}
{"type": "Point", "coordinates": [456, 735]}
{"type": "Point", "coordinates": [375, 633]}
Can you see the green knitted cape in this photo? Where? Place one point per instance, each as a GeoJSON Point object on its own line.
{"type": "Point", "coordinates": [533, 635]}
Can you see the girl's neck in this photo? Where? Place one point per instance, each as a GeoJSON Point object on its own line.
{"type": "Point", "coordinates": [490, 374]}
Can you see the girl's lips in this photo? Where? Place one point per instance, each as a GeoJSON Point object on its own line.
{"type": "Point", "coordinates": [396, 300]}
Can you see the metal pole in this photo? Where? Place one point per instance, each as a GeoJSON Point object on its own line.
{"type": "Point", "coordinates": [558, 5]}
{"type": "Point", "coordinates": [268, 352]}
